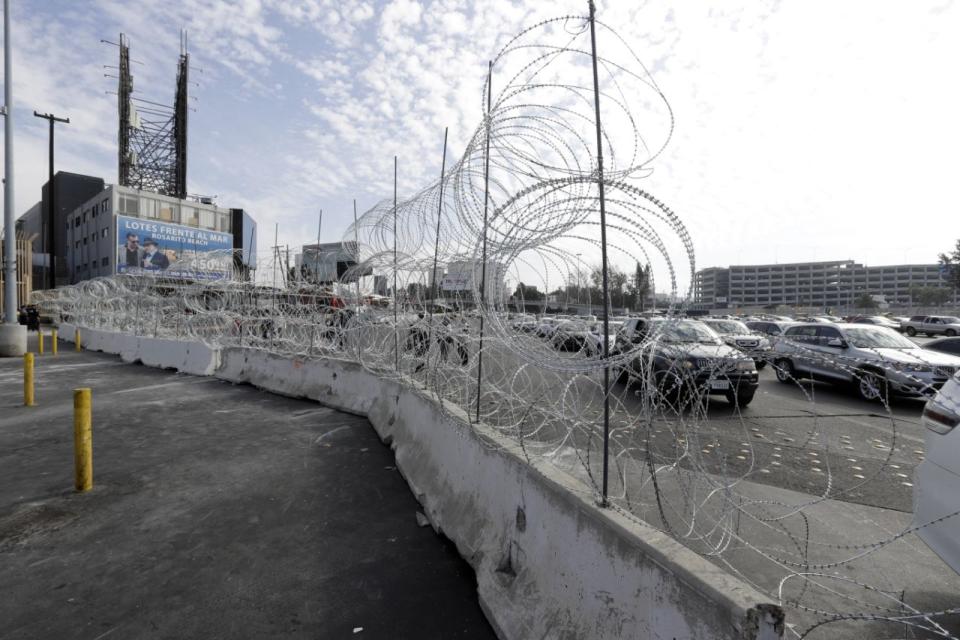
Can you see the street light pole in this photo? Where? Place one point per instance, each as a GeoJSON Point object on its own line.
{"type": "Point", "coordinates": [48, 241]}
{"type": "Point", "coordinates": [13, 337]}
{"type": "Point", "coordinates": [9, 242]}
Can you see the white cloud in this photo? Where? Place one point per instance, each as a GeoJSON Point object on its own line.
{"type": "Point", "coordinates": [783, 149]}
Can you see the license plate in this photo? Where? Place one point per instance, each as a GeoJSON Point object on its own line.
{"type": "Point", "coordinates": [719, 384]}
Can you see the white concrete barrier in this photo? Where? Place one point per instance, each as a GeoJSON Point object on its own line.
{"type": "Point", "coordinates": [549, 563]}
{"type": "Point", "coordinates": [187, 357]}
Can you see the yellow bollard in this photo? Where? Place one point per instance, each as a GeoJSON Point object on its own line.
{"type": "Point", "coordinates": [40, 341]}
{"type": "Point", "coordinates": [82, 440]}
{"type": "Point", "coordinates": [53, 341]}
{"type": "Point", "coordinates": [76, 340]}
{"type": "Point", "coordinates": [28, 379]}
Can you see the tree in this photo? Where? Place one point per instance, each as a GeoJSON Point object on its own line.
{"type": "Point", "coordinates": [618, 280]}
{"type": "Point", "coordinates": [415, 291]}
{"type": "Point", "coordinates": [929, 296]}
{"type": "Point", "coordinates": [523, 292]}
{"type": "Point", "coordinates": [951, 266]}
{"type": "Point", "coordinates": [865, 301]}
{"type": "Point", "coordinates": [640, 285]}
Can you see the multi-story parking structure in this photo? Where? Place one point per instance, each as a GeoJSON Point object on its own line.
{"type": "Point", "coordinates": [833, 284]}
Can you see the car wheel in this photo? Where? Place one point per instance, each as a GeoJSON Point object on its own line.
{"type": "Point", "coordinates": [950, 332]}
{"type": "Point", "coordinates": [741, 399]}
{"type": "Point", "coordinates": [784, 370]}
{"type": "Point", "coordinates": [871, 386]}
{"type": "Point", "coordinates": [910, 331]}
{"type": "Point", "coordinates": [760, 364]}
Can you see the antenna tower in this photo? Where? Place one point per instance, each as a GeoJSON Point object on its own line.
{"type": "Point", "coordinates": [152, 137]}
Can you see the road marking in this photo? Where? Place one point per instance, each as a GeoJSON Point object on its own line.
{"type": "Point", "coordinates": [163, 385]}
{"type": "Point", "coordinates": [331, 432]}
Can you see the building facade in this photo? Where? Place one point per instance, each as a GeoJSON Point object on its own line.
{"type": "Point", "coordinates": [329, 262]}
{"type": "Point", "coordinates": [47, 231]}
{"type": "Point", "coordinates": [462, 276]}
{"type": "Point", "coordinates": [90, 238]}
{"type": "Point", "coordinates": [833, 284]}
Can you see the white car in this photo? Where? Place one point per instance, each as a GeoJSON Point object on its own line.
{"type": "Point", "coordinates": [937, 480]}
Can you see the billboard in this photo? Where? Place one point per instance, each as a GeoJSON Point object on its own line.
{"type": "Point", "coordinates": [461, 281]}
{"type": "Point", "coordinates": [172, 250]}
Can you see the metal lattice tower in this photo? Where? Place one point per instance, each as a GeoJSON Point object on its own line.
{"type": "Point", "coordinates": [152, 137]}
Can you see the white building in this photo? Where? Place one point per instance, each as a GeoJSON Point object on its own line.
{"type": "Point", "coordinates": [463, 276]}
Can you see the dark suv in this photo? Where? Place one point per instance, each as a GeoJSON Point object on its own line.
{"type": "Point", "coordinates": [684, 358]}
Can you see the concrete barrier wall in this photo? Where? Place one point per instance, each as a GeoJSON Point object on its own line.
{"type": "Point", "coordinates": [187, 357]}
{"type": "Point", "coordinates": [549, 563]}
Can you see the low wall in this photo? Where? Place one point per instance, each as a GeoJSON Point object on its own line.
{"type": "Point", "coordinates": [187, 357]}
{"type": "Point", "coordinates": [549, 563]}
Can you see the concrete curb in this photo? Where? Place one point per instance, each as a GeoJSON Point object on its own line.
{"type": "Point", "coordinates": [549, 563]}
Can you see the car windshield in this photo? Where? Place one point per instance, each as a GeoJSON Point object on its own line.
{"type": "Point", "coordinates": [951, 320]}
{"type": "Point", "coordinates": [727, 327]}
{"type": "Point", "coordinates": [684, 331]}
{"type": "Point", "coordinates": [877, 338]}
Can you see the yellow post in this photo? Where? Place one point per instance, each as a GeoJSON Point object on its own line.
{"type": "Point", "coordinates": [76, 339]}
{"type": "Point", "coordinates": [82, 439]}
{"type": "Point", "coordinates": [53, 341]}
{"type": "Point", "coordinates": [28, 379]}
{"type": "Point", "coordinates": [40, 341]}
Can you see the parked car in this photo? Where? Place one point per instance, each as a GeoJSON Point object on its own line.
{"type": "Point", "coordinates": [738, 335]}
{"type": "Point", "coordinates": [569, 335]}
{"type": "Point", "coordinates": [932, 325]}
{"type": "Point", "coordinates": [525, 323]}
{"type": "Point", "coordinates": [593, 340]}
{"type": "Point", "coordinates": [821, 319]}
{"type": "Point", "coordinates": [876, 360]}
{"type": "Point", "coordinates": [685, 358]}
{"type": "Point", "coordinates": [936, 487]}
{"type": "Point", "coordinates": [769, 327]}
{"type": "Point", "coordinates": [547, 327]}
{"type": "Point", "coordinates": [880, 321]}
{"type": "Point", "coordinates": [901, 320]}
{"type": "Point", "coordinates": [944, 345]}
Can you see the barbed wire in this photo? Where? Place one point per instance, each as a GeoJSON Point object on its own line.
{"type": "Point", "coordinates": [677, 463]}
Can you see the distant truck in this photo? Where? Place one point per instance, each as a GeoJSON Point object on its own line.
{"type": "Point", "coordinates": [932, 325]}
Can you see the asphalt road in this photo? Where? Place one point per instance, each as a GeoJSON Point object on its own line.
{"type": "Point", "coordinates": [218, 511]}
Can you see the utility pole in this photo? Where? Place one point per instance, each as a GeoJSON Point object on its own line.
{"type": "Point", "coordinates": [486, 201]}
{"type": "Point", "coordinates": [316, 256]}
{"type": "Point", "coordinates": [603, 254]}
{"type": "Point", "coordinates": [396, 328]}
{"type": "Point", "coordinates": [48, 242]}
{"type": "Point", "coordinates": [13, 337]}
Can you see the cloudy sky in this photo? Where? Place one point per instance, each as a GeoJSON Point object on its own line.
{"type": "Point", "coordinates": [806, 129]}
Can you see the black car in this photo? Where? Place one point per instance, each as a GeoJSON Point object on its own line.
{"type": "Point", "coordinates": [944, 345]}
{"type": "Point", "coordinates": [685, 359]}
